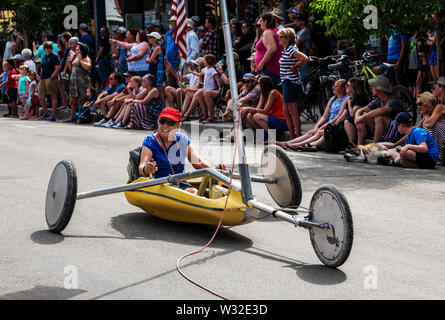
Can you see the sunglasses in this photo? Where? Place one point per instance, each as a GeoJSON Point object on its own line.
{"type": "Point", "coordinates": [419, 104]}
{"type": "Point", "coordinates": [247, 81]}
{"type": "Point", "coordinates": [348, 85]}
{"type": "Point", "coordinates": [170, 123]}
{"type": "Point", "coordinates": [111, 78]}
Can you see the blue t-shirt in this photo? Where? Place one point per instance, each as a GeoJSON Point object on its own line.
{"type": "Point", "coordinates": [88, 40]}
{"type": "Point", "coordinates": [171, 50]}
{"type": "Point", "coordinates": [177, 152]}
{"type": "Point", "coordinates": [335, 107]}
{"type": "Point", "coordinates": [419, 135]}
{"type": "Point", "coordinates": [395, 45]}
{"type": "Point", "coordinates": [4, 79]}
{"type": "Point", "coordinates": [49, 63]}
{"type": "Point", "coordinates": [122, 66]}
{"type": "Point", "coordinates": [119, 89]}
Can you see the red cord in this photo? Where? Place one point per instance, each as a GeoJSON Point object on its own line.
{"type": "Point", "coordinates": [217, 229]}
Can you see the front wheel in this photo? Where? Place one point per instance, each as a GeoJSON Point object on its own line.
{"type": "Point", "coordinates": [332, 245]}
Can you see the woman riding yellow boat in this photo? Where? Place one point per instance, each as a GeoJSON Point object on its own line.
{"type": "Point", "coordinates": [163, 152]}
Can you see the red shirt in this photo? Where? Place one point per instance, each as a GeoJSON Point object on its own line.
{"type": "Point", "coordinates": [12, 83]}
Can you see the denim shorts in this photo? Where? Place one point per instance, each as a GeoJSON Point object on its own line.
{"type": "Point", "coordinates": [275, 79]}
{"type": "Point", "coordinates": [292, 92]}
{"type": "Point", "coordinates": [275, 123]}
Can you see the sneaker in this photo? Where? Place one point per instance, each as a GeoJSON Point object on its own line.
{"type": "Point", "coordinates": [120, 125]}
{"type": "Point", "coordinates": [100, 123]}
{"type": "Point", "coordinates": [109, 124]}
{"type": "Point", "coordinates": [44, 116]}
{"type": "Point", "coordinates": [51, 118]}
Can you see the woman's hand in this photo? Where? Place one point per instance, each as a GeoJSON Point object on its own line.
{"type": "Point", "coordinates": [150, 167]}
{"type": "Point", "coordinates": [222, 166]}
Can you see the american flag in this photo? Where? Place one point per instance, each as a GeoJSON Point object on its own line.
{"type": "Point", "coordinates": [179, 10]}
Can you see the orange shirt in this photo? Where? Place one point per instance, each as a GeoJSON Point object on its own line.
{"type": "Point", "coordinates": [277, 107]}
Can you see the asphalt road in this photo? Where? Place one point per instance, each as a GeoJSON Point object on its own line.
{"type": "Point", "coordinates": [115, 251]}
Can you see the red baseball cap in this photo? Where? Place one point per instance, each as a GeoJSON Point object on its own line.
{"type": "Point", "coordinates": [170, 113]}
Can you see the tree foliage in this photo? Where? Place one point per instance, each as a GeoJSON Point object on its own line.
{"type": "Point", "coordinates": [345, 17]}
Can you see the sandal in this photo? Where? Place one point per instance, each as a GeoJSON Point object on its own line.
{"type": "Point", "coordinates": [309, 148]}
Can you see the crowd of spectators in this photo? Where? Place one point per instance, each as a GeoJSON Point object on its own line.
{"type": "Point", "coordinates": [136, 73]}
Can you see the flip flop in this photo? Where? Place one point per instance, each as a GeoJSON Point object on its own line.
{"type": "Point", "coordinates": [309, 148]}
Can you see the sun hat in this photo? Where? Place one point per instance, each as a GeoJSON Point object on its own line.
{"type": "Point", "coordinates": [277, 13]}
{"type": "Point", "coordinates": [170, 113]}
{"type": "Point", "coordinates": [172, 18]}
{"type": "Point", "coordinates": [380, 83]}
{"type": "Point", "coordinates": [440, 81]}
{"type": "Point", "coordinates": [121, 30]}
{"type": "Point", "coordinates": [190, 23]}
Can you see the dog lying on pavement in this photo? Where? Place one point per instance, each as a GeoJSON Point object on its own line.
{"type": "Point", "coordinates": [368, 153]}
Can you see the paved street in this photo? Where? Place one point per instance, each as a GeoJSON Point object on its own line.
{"type": "Point", "coordinates": [120, 252]}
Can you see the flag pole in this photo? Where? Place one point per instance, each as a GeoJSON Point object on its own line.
{"type": "Point", "coordinates": [243, 166]}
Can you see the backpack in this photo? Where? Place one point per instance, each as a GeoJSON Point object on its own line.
{"type": "Point", "coordinates": [335, 138]}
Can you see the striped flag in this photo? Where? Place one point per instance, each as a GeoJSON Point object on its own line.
{"type": "Point", "coordinates": [179, 10]}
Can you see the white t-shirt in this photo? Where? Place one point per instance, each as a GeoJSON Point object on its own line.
{"type": "Point", "coordinates": [209, 81]}
{"type": "Point", "coordinates": [31, 85]}
{"type": "Point", "coordinates": [193, 80]}
{"type": "Point", "coordinates": [31, 65]}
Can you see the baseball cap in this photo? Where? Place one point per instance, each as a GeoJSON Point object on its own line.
{"type": "Point", "coordinates": [155, 35]}
{"type": "Point", "coordinates": [83, 26]}
{"type": "Point", "coordinates": [248, 76]}
{"type": "Point", "coordinates": [403, 117]}
{"type": "Point", "coordinates": [170, 113]}
{"type": "Point", "coordinates": [17, 57]}
{"type": "Point", "coordinates": [301, 17]}
{"type": "Point", "coordinates": [121, 30]}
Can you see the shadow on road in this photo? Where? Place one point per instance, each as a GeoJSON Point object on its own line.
{"type": "Point", "coordinates": [321, 275]}
{"type": "Point", "coordinates": [43, 293]}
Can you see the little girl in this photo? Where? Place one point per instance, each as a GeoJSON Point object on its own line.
{"type": "Point", "coordinates": [32, 98]}
{"type": "Point", "coordinates": [23, 83]}
{"type": "Point", "coordinates": [206, 95]}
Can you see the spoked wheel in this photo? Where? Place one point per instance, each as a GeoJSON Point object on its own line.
{"type": "Point", "coordinates": [61, 196]}
{"type": "Point", "coordinates": [332, 245]}
{"type": "Point", "coordinates": [275, 163]}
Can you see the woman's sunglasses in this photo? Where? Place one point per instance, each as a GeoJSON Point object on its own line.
{"type": "Point", "coordinates": [170, 123]}
{"type": "Point", "coordinates": [419, 104]}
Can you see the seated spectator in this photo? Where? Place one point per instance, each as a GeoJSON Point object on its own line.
{"type": "Point", "coordinates": [249, 96]}
{"type": "Point", "coordinates": [145, 113]}
{"type": "Point", "coordinates": [358, 99]}
{"type": "Point", "coordinates": [439, 89]}
{"type": "Point", "coordinates": [376, 117]}
{"type": "Point", "coordinates": [116, 87]}
{"type": "Point", "coordinates": [115, 105]}
{"type": "Point", "coordinates": [135, 91]}
{"type": "Point", "coordinates": [212, 86]}
{"type": "Point", "coordinates": [420, 150]}
{"type": "Point", "coordinates": [313, 139]}
{"type": "Point", "coordinates": [91, 98]}
{"type": "Point", "coordinates": [268, 115]}
{"type": "Point", "coordinates": [83, 115]}
{"type": "Point", "coordinates": [186, 93]}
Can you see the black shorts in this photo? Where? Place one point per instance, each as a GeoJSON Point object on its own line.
{"type": "Point", "coordinates": [425, 161]}
{"type": "Point", "coordinates": [12, 94]}
{"type": "Point", "coordinates": [5, 98]}
{"type": "Point", "coordinates": [412, 77]}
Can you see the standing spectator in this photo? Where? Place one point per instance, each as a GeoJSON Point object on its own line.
{"type": "Point", "coordinates": [19, 43]}
{"type": "Point", "coordinates": [290, 62]}
{"type": "Point", "coordinates": [61, 47]}
{"type": "Point", "coordinates": [278, 16]}
{"type": "Point", "coordinates": [11, 89]}
{"type": "Point", "coordinates": [268, 50]}
{"type": "Point", "coordinates": [397, 47]}
{"type": "Point", "coordinates": [137, 44]}
{"type": "Point", "coordinates": [121, 53]}
{"type": "Point", "coordinates": [303, 42]}
{"type": "Point", "coordinates": [27, 59]}
{"type": "Point", "coordinates": [9, 49]}
{"type": "Point", "coordinates": [156, 63]}
{"type": "Point", "coordinates": [244, 45]}
{"type": "Point", "coordinates": [48, 81]}
{"type": "Point", "coordinates": [22, 84]}
{"type": "Point", "coordinates": [103, 60]}
{"type": "Point", "coordinates": [208, 44]}
{"type": "Point", "coordinates": [439, 89]}
{"type": "Point", "coordinates": [292, 15]}
{"type": "Point", "coordinates": [433, 55]}
{"type": "Point", "coordinates": [39, 51]}
{"type": "Point", "coordinates": [212, 86]}
{"type": "Point", "coordinates": [64, 83]}
{"type": "Point", "coordinates": [79, 67]}
{"type": "Point", "coordinates": [171, 54]}
{"type": "Point", "coordinates": [86, 38]}
{"type": "Point", "coordinates": [192, 42]}
{"type": "Point", "coordinates": [413, 66]}
{"type": "Point", "coordinates": [4, 79]}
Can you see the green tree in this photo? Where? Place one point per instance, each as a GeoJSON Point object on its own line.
{"type": "Point", "coordinates": [344, 18]}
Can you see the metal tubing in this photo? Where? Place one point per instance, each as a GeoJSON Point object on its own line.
{"type": "Point", "coordinates": [170, 179]}
{"type": "Point", "coordinates": [253, 178]}
{"type": "Point", "coordinates": [298, 221]}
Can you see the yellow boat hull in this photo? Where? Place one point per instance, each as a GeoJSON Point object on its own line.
{"type": "Point", "coordinates": [171, 203]}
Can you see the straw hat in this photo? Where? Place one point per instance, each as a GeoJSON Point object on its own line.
{"type": "Point", "coordinates": [277, 13]}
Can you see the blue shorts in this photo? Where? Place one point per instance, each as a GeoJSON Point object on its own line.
{"type": "Point", "coordinates": [292, 92]}
{"type": "Point", "coordinates": [433, 58]}
{"type": "Point", "coordinates": [275, 123]}
{"type": "Point", "coordinates": [275, 79]}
